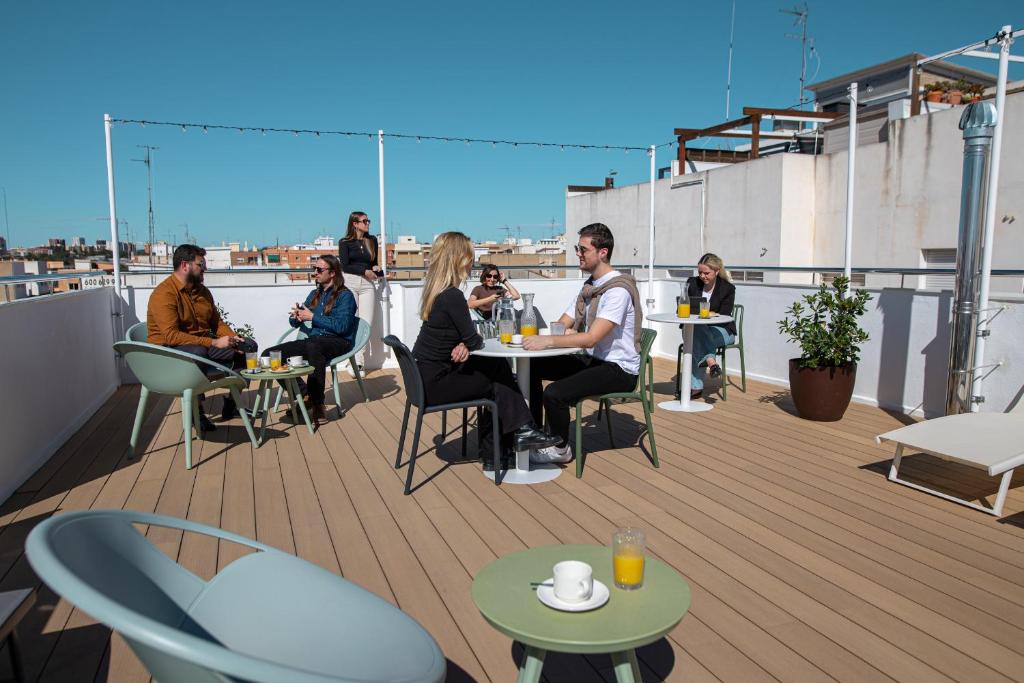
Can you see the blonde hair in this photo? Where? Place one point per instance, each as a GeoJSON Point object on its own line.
{"type": "Point", "coordinates": [450, 259]}
{"type": "Point", "coordinates": [715, 263]}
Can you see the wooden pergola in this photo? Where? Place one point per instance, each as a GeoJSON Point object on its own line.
{"type": "Point", "coordinates": [752, 116]}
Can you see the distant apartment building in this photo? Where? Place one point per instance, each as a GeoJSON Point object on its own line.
{"type": "Point", "coordinates": [57, 243]}
{"type": "Point", "coordinates": [3, 245]}
{"type": "Point", "coordinates": [12, 292]}
{"type": "Point", "coordinates": [78, 243]}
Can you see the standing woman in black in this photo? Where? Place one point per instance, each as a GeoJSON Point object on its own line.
{"type": "Point", "coordinates": [450, 374]}
{"type": "Point", "coordinates": [360, 261]}
{"type": "Point", "coordinates": [714, 284]}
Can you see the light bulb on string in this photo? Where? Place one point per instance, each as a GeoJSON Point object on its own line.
{"type": "Point", "coordinates": [263, 130]}
{"type": "Point", "coordinates": [205, 130]}
{"type": "Point", "coordinates": [183, 129]}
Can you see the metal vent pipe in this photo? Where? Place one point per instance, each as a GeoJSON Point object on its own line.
{"type": "Point", "coordinates": [978, 124]}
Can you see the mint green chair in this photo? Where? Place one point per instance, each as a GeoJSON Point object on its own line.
{"type": "Point", "coordinates": [164, 370]}
{"type": "Point", "coordinates": [361, 340]}
{"type": "Point", "coordinates": [138, 332]}
{"type": "Point", "coordinates": [267, 616]}
{"type": "Point", "coordinates": [644, 392]}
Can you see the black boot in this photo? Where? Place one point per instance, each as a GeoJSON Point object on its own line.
{"type": "Point", "coordinates": [230, 410]}
{"type": "Point", "coordinates": [529, 436]}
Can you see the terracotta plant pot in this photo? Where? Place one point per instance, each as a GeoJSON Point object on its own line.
{"type": "Point", "coordinates": [954, 97]}
{"type": "Point", "coordinates": [934, 96]}
{"type": "Point", "coordinates": [821, 394]}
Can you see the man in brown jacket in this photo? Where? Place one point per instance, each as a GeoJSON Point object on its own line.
{"type": "Point", "coordinates": [183, 315]}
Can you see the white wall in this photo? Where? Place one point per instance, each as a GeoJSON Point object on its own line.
{"type": "Point", "coordinates": [59, 368]}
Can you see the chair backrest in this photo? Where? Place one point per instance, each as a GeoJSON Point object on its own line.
{"type": "Point", "coordinates": [162, 369]}
{"type": "Point", "coordinates": [737, 313]}
{"type": "Point", "coordinates": [647, 337]}
{"type": "Point", "coordinates": [410, 373]}
{"type": "Point", "coordinates": [362, 335]}
{"type": "Point", "coordinates": [138, 332]}
{"type": "Point", "coordinates": [258, 619]}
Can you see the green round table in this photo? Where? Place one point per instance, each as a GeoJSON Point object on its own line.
{"type": "Point", "coordinates": [291, 387]}
{"type": "Point", "coordinates": [630, 619]}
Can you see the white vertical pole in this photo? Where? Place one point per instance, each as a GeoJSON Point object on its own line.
{"type": "Point", "coordinates": [112, 208]}
{"type": "Point", "coordinates": [850, 170]}
{"type": "Point", "coordinates": [650, 234]}
{"type": "Point", "coordinates": [990, 215]}
{"type": "Point", "coordinates": [385, 290]}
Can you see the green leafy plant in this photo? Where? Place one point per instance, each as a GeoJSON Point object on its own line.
{"type": "Point", "coordinates": [825, 325]}
{"type": "Point", "coordinates": [241, 330]}
{"type": "Point", "coordinates": [936, 86]}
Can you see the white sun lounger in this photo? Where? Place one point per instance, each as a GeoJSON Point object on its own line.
{"type": "Point", "coordinates": [990, 441]}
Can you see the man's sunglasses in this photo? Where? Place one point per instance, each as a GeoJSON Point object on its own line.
{"type": "Point", "coordinates": [318, 270]}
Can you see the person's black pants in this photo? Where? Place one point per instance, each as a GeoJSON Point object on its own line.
{"type": "Point", "coordinates": [575, 377]}
{"type": "Point", "coordinates": [478, 377]}
{"type": "Point", "coordinates": [318, 351]}
{"type": "Point", "coordinates": [232, 357]}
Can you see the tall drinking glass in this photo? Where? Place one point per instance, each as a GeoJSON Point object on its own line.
{"type": "Point", "coordinates": [506, 328]}
{"type": "Point", "coordinates": [628, 547]}
{"type": "Point", "coordinates": [252, 360]}
{"type": "Point", "coordinates": [556, 329]}
{"type": "Point", "coordinates": [275, 360]}
{"type": "Point", "coordinates": [705, 308]}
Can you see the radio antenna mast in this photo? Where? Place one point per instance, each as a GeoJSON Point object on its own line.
{"type": "Point", "coordinates": [148, 161]}
{"type": "Point", "coordinates": [728, 73]}
{"type": "Point", "coordinates": [801, 13]}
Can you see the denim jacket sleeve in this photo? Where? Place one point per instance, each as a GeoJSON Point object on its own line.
{"type": "Point", "coordinates": [342, 319]}
{"type": "Point", "coordinates": [297, 323]}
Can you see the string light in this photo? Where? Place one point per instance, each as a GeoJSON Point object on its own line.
{"type": "Point", "coordinates": [206, 127]}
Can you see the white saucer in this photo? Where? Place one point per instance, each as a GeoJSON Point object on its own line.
{"type": "Point", "coordinates": [514, 345]}
{"type": "Point", "coordinates": [300, 365]}
{"type": "Point", "coordinates": [546, 594]}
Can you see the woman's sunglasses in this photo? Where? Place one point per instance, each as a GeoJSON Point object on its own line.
{"type": "Point", "coordinates": [491, 276]}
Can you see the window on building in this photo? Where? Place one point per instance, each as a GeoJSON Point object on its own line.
{"type": "Point", "coordinates": [856, 279]}
{"type": "Point", "coordinates": [747, 275]}
{"type": "Point", "coordinates": [938, 258]}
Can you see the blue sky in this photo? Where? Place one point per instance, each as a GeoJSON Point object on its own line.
{"type": "Point", "coordinates": [594, 72]}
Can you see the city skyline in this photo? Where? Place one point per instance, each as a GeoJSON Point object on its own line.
{"type": "Point", "coordinates": [540, 73]}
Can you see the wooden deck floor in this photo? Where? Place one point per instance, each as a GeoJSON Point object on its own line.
{"type": "Point", "coordinates": [805, 563]}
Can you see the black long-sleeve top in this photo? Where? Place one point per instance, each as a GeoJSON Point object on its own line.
{"type": "Point", "coordinates": [447, 325]}
{"type": "Point", "coordinates": [355, 258]}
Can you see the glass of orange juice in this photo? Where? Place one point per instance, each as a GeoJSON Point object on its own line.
{"type": "Point", "coordinates": [275, 360]}
{"type": "Point", "coordinates": [251, 360]}
{"type": "Point", "coordinates": [682, 307]}
{"type": "Point", "coordinates": [628, 546]}
{"type": "Point", "coordinates": [705, 308]}
{"type": "Point", "coordinates": [506, 328]}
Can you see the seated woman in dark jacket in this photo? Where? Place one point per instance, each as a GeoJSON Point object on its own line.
{"type": "Point", "coordinates": [331, 311]}
{"type": "Point", "coordinates": [713, 283]}
{"type": "Point", "coordinates": [450, 374]}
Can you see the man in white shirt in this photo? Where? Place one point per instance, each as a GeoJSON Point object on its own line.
{"type": "Point", "coordinates": [605, 320]}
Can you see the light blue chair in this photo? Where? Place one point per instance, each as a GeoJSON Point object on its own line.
{"type": "Point", "coordinates": [267, 616]}
{"type": "Point", "coordinates": [361, 340]}
{"type": "Point", "coordinates": [164, 370]}
{"type": "Point", "coordinates": [138, 332]}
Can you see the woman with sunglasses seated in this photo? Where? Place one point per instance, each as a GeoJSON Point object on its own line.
{"type": "Point", "coordinates": [329, 317]}
{"type": "Point", "coordinates": [490, 289]}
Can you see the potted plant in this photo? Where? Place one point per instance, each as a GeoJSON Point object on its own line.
{"type": "Point", "coordinates": [826, 328]}
{"type": "Point", "coordinates": [933, 91]}
{"type": "Point", "coordinates": [974, 92]}
{"type": "Point", "coordinates": [955, 93]}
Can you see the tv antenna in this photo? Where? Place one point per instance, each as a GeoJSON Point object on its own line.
{"type": "Point", "coordinates": [508, 232]}
{"type": "Point", "coordinates": [728, 73]}
{"type": "Point", "coordinates": [801, 13]}
{"type": "Point", "coordinates": [148, 161]}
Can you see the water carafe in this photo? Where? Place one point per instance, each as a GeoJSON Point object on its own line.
{"type": "Point", "coordinates": [528, 321]}
{"type": "Point", "coordinates": [505, 317]}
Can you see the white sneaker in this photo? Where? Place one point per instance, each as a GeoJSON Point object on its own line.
{"type": "Point", "coordinates": [551, 454]}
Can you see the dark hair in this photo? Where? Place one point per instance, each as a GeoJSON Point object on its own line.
{"type": "Point", "coordinates": [337, 283]}
{"type": "Point", "coordinates": [600, 236]}
{"type": "Point", "coordinates": [187, 253]}
{"type": "Point", "coordinates": [351, 234]}
{"type": "Point", "coordinates": [487, 268]}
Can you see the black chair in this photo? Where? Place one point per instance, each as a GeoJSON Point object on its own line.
{"type": "Point", "coordinates": [414, 395]}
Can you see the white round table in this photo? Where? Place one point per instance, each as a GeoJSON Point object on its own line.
{"type": "Point", "coordinates": [683, 405]}
{"type": "Point", "coordinates": [524, 472]}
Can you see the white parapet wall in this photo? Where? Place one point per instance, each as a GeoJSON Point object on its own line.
{"type": "Point", "coordinates": [59, 368]}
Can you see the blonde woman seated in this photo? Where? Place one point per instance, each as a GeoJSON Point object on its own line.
{"type": "Point", "coordinates": [450, 374]}
{"type": "Point", "coordinates": [714, 284]}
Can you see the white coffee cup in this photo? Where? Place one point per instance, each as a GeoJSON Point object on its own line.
{"type": "Point", "coordinates": [264, 361]}
{"type": "Point", "coordinates": [574, 581]}
{"type": "Point", "coordinates": [295, 360]}
{"type": "Point", "coordinates": [517, 339]}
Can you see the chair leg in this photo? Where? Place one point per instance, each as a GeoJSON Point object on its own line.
{"type": "Point", "coordinates": [725, 377]}
{"type": "Point", "coordinates": [415, 449]}
{"type": "Point", "coordinates": [337, 391]}
{"type": "Point", "coordinates": [139, 413]}
{"type": "Point", "coordinates": [608, 421]}
{"type": "Point", "coordinates": [444, 424]}
{"type": "Point", "coordinates": [186, 423]}
{"type": "Point", "coordinates": [359, 378]}
{"type": "Point", "coordinates": [197, 424]}
{"type": "Point", "coordinates": [237, 395]}
{"type": "Point", "coordinates": [679, 369]}
{"type": "Point", "coordinates": [650, 431]}
{"type": "Point", "coordinates": [465, 418]}
{"type": "Point", "coordinates": [743, 371]}
{"type": "Point", "coordinates": [401, 437]}
{"type": "Point", "coordinates": [579, 440]}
